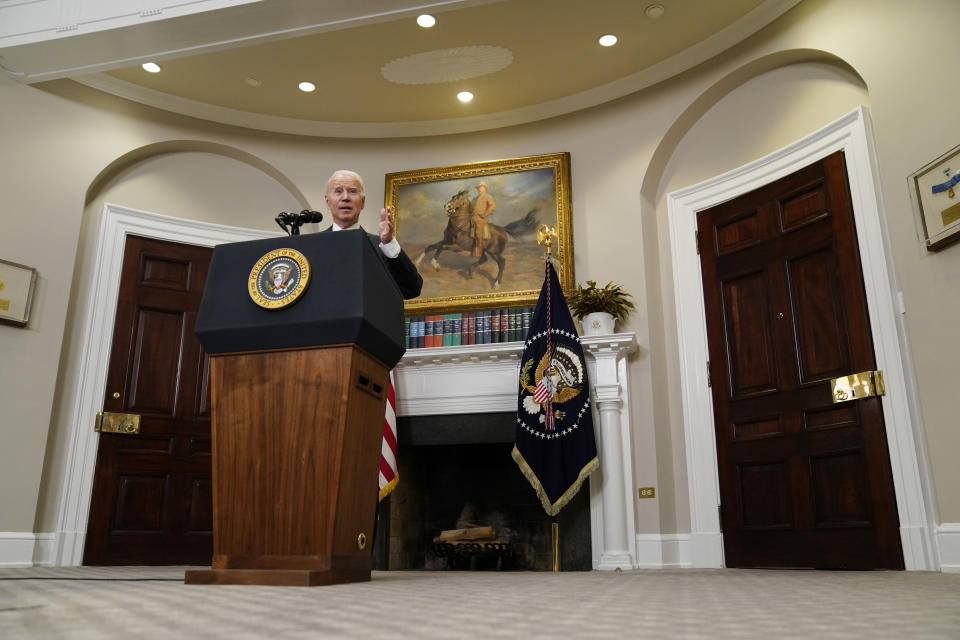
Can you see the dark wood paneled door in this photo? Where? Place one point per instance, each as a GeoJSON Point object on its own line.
{"type": "Point", "coordinates": [152, 494]}
{"type": "Point", "coordinates": [803, 482]}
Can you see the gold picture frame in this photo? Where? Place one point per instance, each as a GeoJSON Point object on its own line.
{"type": "Point", "coordinates": [17, 284]}
{"type": "Point", "coordinates": [433, 211]}
{"type": "Point", "coordinates": [935, 191]}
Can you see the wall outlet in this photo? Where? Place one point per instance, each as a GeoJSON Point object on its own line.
{"type": "Point", "coordinates": [647, 492]}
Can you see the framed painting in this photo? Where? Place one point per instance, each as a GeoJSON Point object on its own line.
{"type": "Point", "coordinates": [471, 229]}
{"type": "Point", "coordinates": [17, 283]}
{"type": "Point", "coordinates": [935, 190]}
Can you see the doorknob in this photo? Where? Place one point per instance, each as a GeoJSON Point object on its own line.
{"type": "Point", "coordinates": [857, 386]}
{"type": "Point", "coordinates": [110, 422]}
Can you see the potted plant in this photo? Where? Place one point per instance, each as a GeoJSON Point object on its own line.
{"type": "Point", "coordinates": [598, 308]}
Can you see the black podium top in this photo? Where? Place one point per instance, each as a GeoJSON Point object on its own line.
{"type": "Point", "coordinates": [351, 298]}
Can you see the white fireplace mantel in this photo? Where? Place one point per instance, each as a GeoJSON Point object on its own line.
{"type": "Point", "coordinates": [483, 378]}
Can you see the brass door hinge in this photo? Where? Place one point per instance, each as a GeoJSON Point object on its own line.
{"type": "Point", "coordinates": [709, 375]}
{"type": "Point", "coordinates": [697, 238]}
{"type": "Point", "coordinates": [720, 516]}
{"type": "Point", "coordinates": [110, 422]}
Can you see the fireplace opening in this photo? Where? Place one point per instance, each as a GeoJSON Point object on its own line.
{"type": "Point", "coordinates": [456, 472]}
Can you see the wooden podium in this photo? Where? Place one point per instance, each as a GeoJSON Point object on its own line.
{"type": "Point", "coordinates": [298, 397]}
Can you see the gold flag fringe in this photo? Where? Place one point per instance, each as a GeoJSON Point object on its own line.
{"type": "Point", "coordinates": [568, 495]}
{"type": "Point", "coordinates": [389, 487]}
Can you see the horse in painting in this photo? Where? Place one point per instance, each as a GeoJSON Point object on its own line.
{"type": "Point", "coordinates": [456, 237]}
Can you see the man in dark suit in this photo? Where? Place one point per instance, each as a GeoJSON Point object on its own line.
{"type": "Point", "coordinates": [345, 199]}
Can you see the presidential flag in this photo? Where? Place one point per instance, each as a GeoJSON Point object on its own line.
{"type": "Point", "coordinates": [388, 448]}
{"type": "Point", "coordinates": [555, 447]}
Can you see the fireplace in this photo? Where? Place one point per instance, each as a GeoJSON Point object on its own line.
{"type": "Point", "coordinates": [456, 472]}
{"type": "Point", "coordinates": [456, 408]}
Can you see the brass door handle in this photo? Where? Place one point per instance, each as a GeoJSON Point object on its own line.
{"type": "Point", "coordinates": [111, 422]}
{"type": "Point", "coordinates": [857, 386]}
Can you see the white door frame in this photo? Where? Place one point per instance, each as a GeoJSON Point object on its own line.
{"type": "Point", "coordinates": [853, 135]}
{"type": "Point", "coordinates": [97, 330]}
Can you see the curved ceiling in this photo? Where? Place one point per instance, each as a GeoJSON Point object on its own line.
{"type": "Point", "coordinates": [379, 74]}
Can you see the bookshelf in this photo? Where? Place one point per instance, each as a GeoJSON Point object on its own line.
{"type": "Point", "coordinates": [487, 326]}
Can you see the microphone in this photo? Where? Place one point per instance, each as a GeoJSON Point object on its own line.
{"type": "Point", "coordinates": [310, 216]}
{"type": "Point", "coordinates": [294, 220]}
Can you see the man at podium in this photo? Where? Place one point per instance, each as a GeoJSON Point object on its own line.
{"type": "Point", "coordinates": [345, 199]}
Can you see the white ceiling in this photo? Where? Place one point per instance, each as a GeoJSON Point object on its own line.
{"type": "Point", "coordinates": [377, 73]}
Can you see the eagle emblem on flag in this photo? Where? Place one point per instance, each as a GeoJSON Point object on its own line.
{"type": "Point", "coordinates": [558, 379]}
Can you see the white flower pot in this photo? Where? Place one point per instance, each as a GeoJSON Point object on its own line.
{"type": "Point", "coordinates": [599, 323]}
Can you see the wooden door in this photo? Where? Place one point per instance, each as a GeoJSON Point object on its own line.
{"type": "Point", "coordinates": [803, 482]}
{"type": "Point", "coordinates": [152, 494]}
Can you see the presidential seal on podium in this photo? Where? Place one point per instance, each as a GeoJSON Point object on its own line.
{"type": "Point", "coordinates": [279, 278]}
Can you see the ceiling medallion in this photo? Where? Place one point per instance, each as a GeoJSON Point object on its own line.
{"type": "Point", "coordinates": [447, 65]}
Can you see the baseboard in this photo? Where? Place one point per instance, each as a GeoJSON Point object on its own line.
{"type": "Point", "coordinates": [654, 550]}
{"type": "Point", "coordinates": [948, 542]}
{"type": "Point", "coordinates": [663, 551]}
{"type": "Point", "coordinates": [17, 549]}
{"type": "Point", "coordinates": [44, 553]}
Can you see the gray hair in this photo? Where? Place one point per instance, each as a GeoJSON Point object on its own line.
{"type": "Point", "coordinates": [347, 173]}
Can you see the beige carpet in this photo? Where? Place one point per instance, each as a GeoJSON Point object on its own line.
{"type": "Point", "coordinates": [152, 602]}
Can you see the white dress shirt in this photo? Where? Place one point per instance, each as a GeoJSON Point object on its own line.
{"type": "Point", "coordinates": [391, 249]}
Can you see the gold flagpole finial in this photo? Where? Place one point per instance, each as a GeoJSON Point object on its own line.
{"type": "Point", "coordinates": [545, 235]}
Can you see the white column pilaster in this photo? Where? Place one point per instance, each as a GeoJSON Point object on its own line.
{"type": "Point", "coordinates": [613, 513]}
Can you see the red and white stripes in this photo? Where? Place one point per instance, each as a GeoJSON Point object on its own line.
{"type": "Point", "coordinates": [388, 450]}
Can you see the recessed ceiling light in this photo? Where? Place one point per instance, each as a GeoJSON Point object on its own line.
{"type": "Point", "coordinates": [608, 40]}
{"type": "Point", "coordinates": [307, 86]}
{"type": "Point", "coordinates": [654, 10]}
{"type": "Point", "coordinates": [426, 21]}
{"type": "Point", "coordinates": [253, 82]}
{"type": "Point", "coordinates": [464, 96]}
{"type": "Point", "coordinates": [152, 67]}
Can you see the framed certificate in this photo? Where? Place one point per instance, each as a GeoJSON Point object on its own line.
{"type": "Point", "coordinates": [935, 190]}
{"type": "Point", "coordinates": [17, 283]}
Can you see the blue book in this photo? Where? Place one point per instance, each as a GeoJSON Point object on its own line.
{"type": "Point", "coordinates": [420, 332]}
{"type": "Point", "coordinates": [457, 334]}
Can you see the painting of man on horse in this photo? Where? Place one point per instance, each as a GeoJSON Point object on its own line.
{"type": "Point", "coordinates": [466, 231]}
{"type": "Point", "coordinates": [482, 224]}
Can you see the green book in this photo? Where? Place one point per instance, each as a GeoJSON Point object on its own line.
{"type": "Point", "coordinates": [447, 330]}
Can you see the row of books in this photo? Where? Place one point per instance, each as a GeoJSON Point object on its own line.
{"type": "Point", "coordinates": [468, 327]}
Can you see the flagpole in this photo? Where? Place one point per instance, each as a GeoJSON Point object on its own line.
{"type": "Point", "coordinates": [555, 531]}
{"type": "Point", "coordinates": [545, 235]}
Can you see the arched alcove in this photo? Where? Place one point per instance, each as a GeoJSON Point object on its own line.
{"type": "Point", "coordinates": [185, 191]}
{"type": "Point", "coordinates": [716, 132]}
{"type": "Point", "coordinates": [140, 155]}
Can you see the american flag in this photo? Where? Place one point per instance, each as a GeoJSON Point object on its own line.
{"type": "Point", "coordinates": [544, 389]}
{"type": "Point", "coordinates": [544, 395]}
{"type": "Point", "coordinates": [388, 449]}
